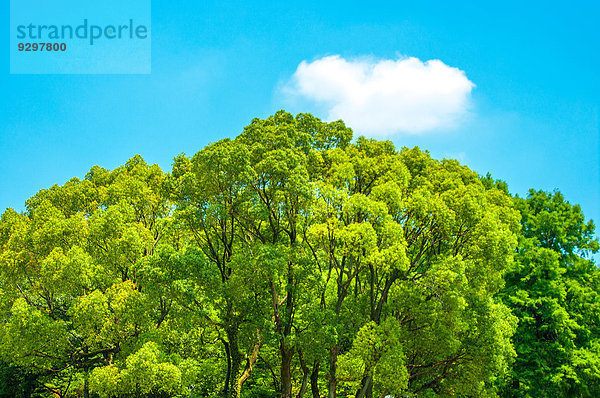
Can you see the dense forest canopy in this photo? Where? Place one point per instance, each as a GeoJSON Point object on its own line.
{"type": "Point", "coordinates": [292, 261]}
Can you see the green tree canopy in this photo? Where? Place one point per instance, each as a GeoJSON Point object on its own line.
{"type": "Point", "coordinates": [294, 260]}
{"type": "Point", "coordinates": [553, 288]}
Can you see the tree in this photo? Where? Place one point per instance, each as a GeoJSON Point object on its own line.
{"type": "Point", "coordinates": [74, 303]}
{"type": "Point", "coordinates": [293, 260]}
{"type": "Point", "coordinates": [245, 203]}
{"type": "Point", "coordinates": [553, 288]}
{"type": "Point", "coordinates": [441, 245]}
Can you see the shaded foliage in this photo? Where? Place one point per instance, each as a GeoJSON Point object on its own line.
{"type": "Point", "coordinates": [553, 288]}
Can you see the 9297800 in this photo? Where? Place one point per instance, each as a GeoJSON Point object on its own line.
{"type": "Point", "coordinates": [48, 47]}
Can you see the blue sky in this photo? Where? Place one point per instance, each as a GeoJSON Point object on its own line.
{"type": "Point", "coordinates": [532, 117]}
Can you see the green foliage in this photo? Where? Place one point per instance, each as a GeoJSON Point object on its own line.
{"type": "Point", "coordinates": [146, 373]}
{"type": "Point", "coordinates": [377, 352]}
{"type": "Point", "coordinates": [554, 291]}
{"type": "Point", "coordinates": [290, 261]}
{"type": "Point", "coordinates": [71, 295]}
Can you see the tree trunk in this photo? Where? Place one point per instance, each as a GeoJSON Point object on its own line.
{"type": "Point", "coordinates": [228, 374]}
{"type": "Point", "coordinates": [366, 389]}
{"type": "Point", "coordinates": [376, 314]}
{"type": "Point", "coordinates": [305, 376]}
{"type": "Point", "coordinates": [332, 370]}
{"type": "Point", "coordinates": [250, 361]}
{"type": "Point", "coordinates": [287, 354]}
{"type": "Point", "coordinates": [86, 383]}
{"type": "Point", "coordinates": [234, 362]}
{"type": "Point", "coordinates": [314, 380]}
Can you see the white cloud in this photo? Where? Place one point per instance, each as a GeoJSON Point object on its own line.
{"type": "Point", "coordinates": [383, 97]}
